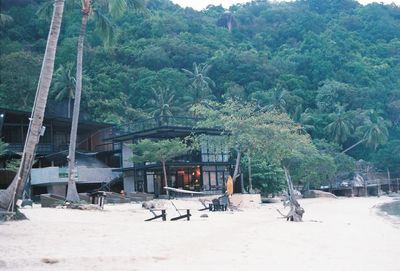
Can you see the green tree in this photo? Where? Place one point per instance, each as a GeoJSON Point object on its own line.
{"type": "Point", "coordinates": [374, 131]}
{"type": "Point", "coordinates": [341, 126]}
{"type": "Point", "coordinates": [200, 89]}
{"type": "Point", "coordinates": [162, 151]}
{"type": "Point", "coordinates": [162, 104]}
{"type": "Point", "coordinates": [64, 85]}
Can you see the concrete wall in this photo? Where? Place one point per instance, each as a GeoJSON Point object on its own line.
{"type": "Point", "coordinates": [50, 175]}
{"type": "Point", "coordinates": [57, 189]}
{"type": "Point", "coordinates": [126, 154]}
{"type": "Point", "coordinates": [45, 175]}
{"type": "Point", "coordinates": [129, 182]}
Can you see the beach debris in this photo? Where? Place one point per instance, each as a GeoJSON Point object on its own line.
{"type": "Point", "coordinates": [296, 211]}
{"type": "Point", "coordinates": [81, 206]}
{"type": "Point", "coordinates": [204, 216]}
{"type": "Point", "coordinates": [50, 261]}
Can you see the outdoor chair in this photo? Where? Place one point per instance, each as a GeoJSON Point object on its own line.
{"type": "Point", "coordinates": [162, 215]}
{"type": "Point", "coordinates": [181, 216]}
{"type": "Point", "coordinates": [219, 204]}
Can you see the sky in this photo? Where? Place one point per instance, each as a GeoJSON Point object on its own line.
{"type": "Point", "coordinates": [201, 4]}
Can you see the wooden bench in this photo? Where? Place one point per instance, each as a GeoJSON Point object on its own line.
{"type": "Point", "coordinates": [162, 215]}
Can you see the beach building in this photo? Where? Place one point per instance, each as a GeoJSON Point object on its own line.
{"type": "Point", "coordinates": [205, 169]}
{"type": "Point", "coordinates": [95, 156]}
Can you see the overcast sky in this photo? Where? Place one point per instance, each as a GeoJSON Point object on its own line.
{"type": "Point", "coordinates": [200, 4]}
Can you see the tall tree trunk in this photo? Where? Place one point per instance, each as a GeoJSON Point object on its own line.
{"type": "Point", "coordinates": [72, 193]}
{"type": "Point", "coordinates": [354, 145]}
{"type": "Point", "coordinates": [236, 171]}
{"type": "Point", "coordinates": [249, 168]}
{"type": "Point", "coordinates": [14, 191]}
{"type": "Point", "coordinates": [165, 176]}
{"type": "Point", "coordinates": [69, 107]}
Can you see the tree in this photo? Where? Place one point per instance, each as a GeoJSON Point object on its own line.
{"type": "Point", "coordinates": [106, 29]}
{"type": "Point", "coordinates": [201, 84]}
{"type": "Point", "coordinates": [162, 105]}
{"type": "Point", "coordinates": [374, 131]}
{"type": "Point", "coordinates": [5, 19]}
{"type": "Point", "coordinates": [246, 129]}
{"type": "Point", "coordinates": [164, 150]}
{"type": "Point", "coordinates": [341, 126]}
{"type": "Point", "coordinates": [227, 20]}
{"type": "Point", "coordinates": [9, 196]}
{"type": "Point", "coordinates": [64, 85]}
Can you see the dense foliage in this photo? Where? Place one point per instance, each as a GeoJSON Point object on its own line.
{"type": "Point", "coordinates": [333, 66]}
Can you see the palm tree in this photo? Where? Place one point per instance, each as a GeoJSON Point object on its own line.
{"type": "Point", "coordinates": [341, 126]}
{"type": "Point", "coordinates": [374, 131]}
{"type": "Point", "coordinates": [64, 85]}
{"type": "Point", "coordinates": [200, 88]}
{"type": "Point", "coordinates": [115, 7]}
{"type": "Point", "coordinates": [14, 191]}
{"type": "Point", "coordinates": [276, 99]}
{"type": "Point", "coordinates": [162, 104]}
{"type": "Point", "coordinates": [5, 19]}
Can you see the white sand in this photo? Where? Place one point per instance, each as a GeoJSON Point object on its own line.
{"type": "Point", "coordinates": [338, 234]}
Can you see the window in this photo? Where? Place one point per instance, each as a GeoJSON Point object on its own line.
{"type": "Point", "coordinates": [213, 151]}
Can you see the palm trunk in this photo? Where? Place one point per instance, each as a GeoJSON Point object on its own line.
{"type": "Point", "coordinates": [354, 145]}
{"type": "Point", "coordinates": [72, 193]}
{"type": "Point", "coordinates": [249, 168]}
{"type": "Point", "coordinates": [165, 175]}
{"type": "Point", "coordinates": [14, 191]}
{"type": "Point", "coordinates": [237, 164]}
{"type": "Point", "coordinates": [69, 107]}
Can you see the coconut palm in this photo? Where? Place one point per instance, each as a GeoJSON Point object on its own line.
{"type": "Point", "coordinates": [95, 8]}
{"type": "Point", "coordinates": [64, 85]}
{"type": "Point", "coordinates": [341, 126]}
{"type": "Point", "coordinates": [162, 104]}
{"type": "Point", "coordinates": [200, 88]}
{"type": "Point", "coordinates": [14, 191]}
{"type": "Point", "coordinates": [5, 19]}
{"type": "Point", "coordinates": [374, 131]}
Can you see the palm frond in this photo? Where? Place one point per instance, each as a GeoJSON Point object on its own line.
{"type": "Point", "coordinates": [104, 27]}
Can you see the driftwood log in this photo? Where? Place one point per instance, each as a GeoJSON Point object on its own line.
{"type": "Point", "coordinates": [296, 211]}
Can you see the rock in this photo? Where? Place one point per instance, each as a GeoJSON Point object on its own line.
{"type": "Point", "coordinates": [148, 205]}
{"type": "Point", "coordinates": [204, 215]}
{"type": "Point", "coordinates": [317, 194]}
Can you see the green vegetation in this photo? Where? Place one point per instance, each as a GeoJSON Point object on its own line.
{"type": "Point", "coordinates": [331, 66]}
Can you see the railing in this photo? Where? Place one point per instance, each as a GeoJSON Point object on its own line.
{"type": "Point", "coordinates": [108, 147]}
{"type": "Point", "coordinates": [167, 121]}
{"type": "Point", "coordinates": [42, 148]}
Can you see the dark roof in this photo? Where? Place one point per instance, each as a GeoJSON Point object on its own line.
{"type": "Point", "coordinates": [168, 127]}
{"type": "Point", "coordinates": [61, 119]}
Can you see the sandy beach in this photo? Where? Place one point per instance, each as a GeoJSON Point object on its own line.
{"type": "Point", "coordinates": [337, 234]}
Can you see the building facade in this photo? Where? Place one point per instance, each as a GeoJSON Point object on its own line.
{"type": "Point", "coordinates": [205, 169]}
{"type": "Point", "coordinates": [94, 153]}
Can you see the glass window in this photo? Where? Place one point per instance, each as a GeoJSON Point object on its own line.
{"type": "Point", "coordinates": [213, 180]}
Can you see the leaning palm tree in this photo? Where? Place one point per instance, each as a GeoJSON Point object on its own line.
{"type": "Point", "coordinates": [374, 131]}
{"type": "Point", "coordinates": [64, 85]}
{"type": "Point", "coordinates": [14, 191]}
{"type": "Point", "coordinates": [105, 27]}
